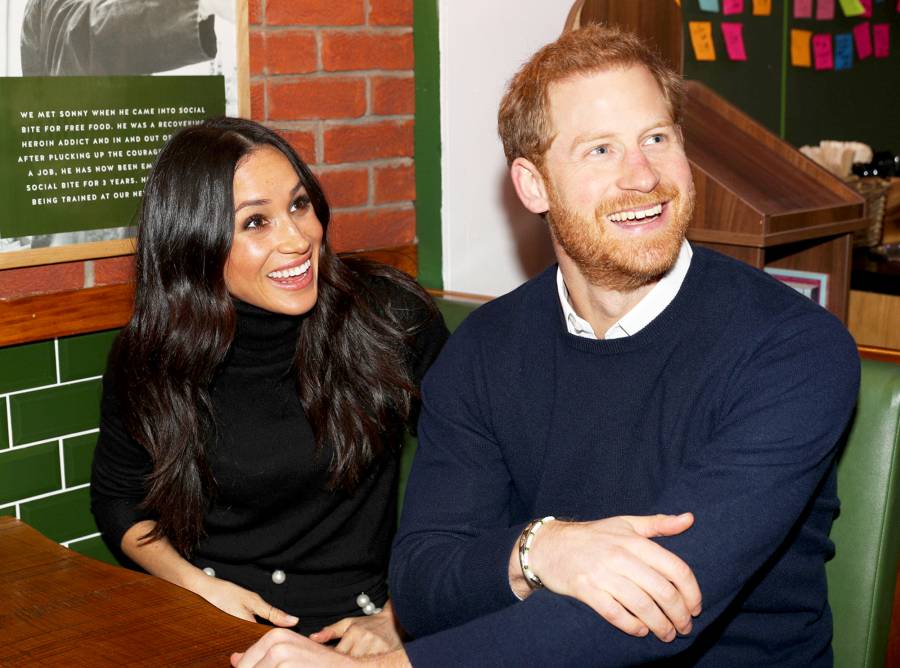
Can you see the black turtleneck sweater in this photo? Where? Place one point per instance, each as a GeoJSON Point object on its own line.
{"type": "Point", "coordinates": [273, 512]}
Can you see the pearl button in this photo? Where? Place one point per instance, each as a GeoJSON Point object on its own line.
{"type": "Point", "coordinates": [211, 572]}
{"type": "Point", "coordinates": [362, 600]}
{"type": "Point", "coordinates": [369, 608]}
{"type": "Point", "coordinates": [278, 577]}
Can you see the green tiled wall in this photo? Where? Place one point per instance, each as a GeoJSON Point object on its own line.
{"type": "Point", "coordinates": [63, 516]}
{"type": "Point", "coordinates": [85, 355]}
{"type": "Point", "coordinates": [51, 393]}
{"type": "Point", "coordinates": [78, 452]}
{"type": "Point", "coordinates": [28, 365]}
{"type": "Point", "coordinates": [55, 411]}
{"type": "Point", "coordinates": [4, 428]}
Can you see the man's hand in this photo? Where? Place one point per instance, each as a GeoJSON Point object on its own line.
{"type": "Point", "coordinates": [286, 649]}
{"type": "Point", "coordinates": [363, 636]}
{"type": "Point", "coordinates": [613, 566]}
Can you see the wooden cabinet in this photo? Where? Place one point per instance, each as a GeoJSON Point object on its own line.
{"type": "Point", "coordinates": [763, 202]}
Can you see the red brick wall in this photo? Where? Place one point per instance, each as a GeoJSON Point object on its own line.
{"type": "Point", "coordinates": [336, 78]}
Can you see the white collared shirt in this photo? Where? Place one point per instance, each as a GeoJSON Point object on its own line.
{"type": "Point", "coordinates": [643, 313]}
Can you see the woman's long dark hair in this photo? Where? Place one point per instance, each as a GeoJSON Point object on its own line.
{"type": "Point", "coordinates": [356, 388]}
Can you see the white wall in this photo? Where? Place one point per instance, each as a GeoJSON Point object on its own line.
{"type": "Point", "coordinates": [491, 243]}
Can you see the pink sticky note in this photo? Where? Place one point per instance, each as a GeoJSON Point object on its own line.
{"type": "Point", "coordinates": [802, 9]}
{"type": "Point", "coordinates": [881, 33]}
{"type": "Point", "coordinates": [863, 39]}
{"type": "Point", "coordinates": [824, 10]}
{"type": "Point", "coordinates": [823, 55]}
{"type": "Point", "coordinates": [734, 40]}
{"type": "Point", "coordinates": [733, 7]}
{"type": "Point", "coordinates": [867, 5]}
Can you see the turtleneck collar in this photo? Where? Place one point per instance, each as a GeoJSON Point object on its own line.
{"type": "Point", "coordinates": [262, 337]}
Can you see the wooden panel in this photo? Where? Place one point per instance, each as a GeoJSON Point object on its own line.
{"type": "Point", "coordinates": [830, 256]}
{"type": "Point", "coordinates": [94, 309]}
{"type": "Point", "coordinates": [749, 164]}
{"type": "Point", "coordinates": [702, 98]}
{"type": "Point", "coordinates": [89, 251]}
{"type": "Point", "coordinates": [752, 255]}
{"type": "Point", "coordinates": [658, 20]}
{"type": "Point", "coordinates": [874, 319]}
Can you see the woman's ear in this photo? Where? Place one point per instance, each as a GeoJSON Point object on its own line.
{"type": "Point", "coordinates": [529, 185]}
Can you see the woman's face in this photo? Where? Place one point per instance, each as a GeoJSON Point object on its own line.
{"type": "Point", "coordinates": [274, 258]}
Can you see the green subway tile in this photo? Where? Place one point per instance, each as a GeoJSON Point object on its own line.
{"type": "Point", "coordinates": [94, 548]}
{"type": "Point", "coordinates": [85, 355]}
{"type": "Point", "coordinates": [28, 365]}
{"type": "Point", "coordinates": [62, 516]}
{"type": "Point", "coordinates": [29, 472]}
{"type": "Point", "coordinates": [78, 452]}
{"type": "Point", "coordinates": [55, 411]}
{"type": "Point", "coordinates": [4, 425]}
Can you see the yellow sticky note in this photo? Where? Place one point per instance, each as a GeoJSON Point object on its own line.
{"type": "Point", "coordinates": [762, 7]}
{"type": "Point", "coordinates": [800, 48]}
{"type": "Point", "coordinates": [852, 7]}
{"type": "Point", "coordinates": [702, 40]}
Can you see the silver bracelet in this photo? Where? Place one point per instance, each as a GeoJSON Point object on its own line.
{"type": "Point", "coordinates": [526, 540]}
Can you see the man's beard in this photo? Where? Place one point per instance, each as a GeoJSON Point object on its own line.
{"type": "Point", "coordinates": [618, 261]}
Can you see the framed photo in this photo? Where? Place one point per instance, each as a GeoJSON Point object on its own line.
{"type": "Point", "coordinates": [90, 90]}
{"type": "Point", "coordinates": [808, 283]}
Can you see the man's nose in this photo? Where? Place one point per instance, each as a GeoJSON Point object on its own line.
{"type": "Point", "coordinates": [637, 173]}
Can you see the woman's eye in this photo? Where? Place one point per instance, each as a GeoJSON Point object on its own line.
{"type": "Point", "coordinates": [254, 223]}
{"type": "Point", "coordinates": [300, 203]}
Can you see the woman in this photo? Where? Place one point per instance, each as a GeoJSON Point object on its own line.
{"type": "Point", "coordinates": [254, 404]}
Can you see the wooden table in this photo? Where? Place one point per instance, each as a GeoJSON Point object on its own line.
{"type": "Point", "coordinates": [59, 608]}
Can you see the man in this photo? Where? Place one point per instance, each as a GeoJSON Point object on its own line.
{"type": "Point", "coordinates": [641, 376]}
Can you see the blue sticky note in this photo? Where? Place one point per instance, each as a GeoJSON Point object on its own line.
{"type": "Point", "coordinates": [709, 5]}
{"type": "Point", "coordinates": [843, 51]}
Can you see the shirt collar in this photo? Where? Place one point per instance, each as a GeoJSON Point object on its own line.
{"type": "Point", "coordinates": [643, 313]}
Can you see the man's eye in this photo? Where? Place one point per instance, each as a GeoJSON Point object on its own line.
{"type": "Point", "coordinates": [600, 150]}
{"type": "Point", "coordinates": [656, 139]}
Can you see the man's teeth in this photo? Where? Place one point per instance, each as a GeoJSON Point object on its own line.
{"type": "Point", "coordinates": [622, 216]}
{"type": "Point", "coordinates": [290, 273]}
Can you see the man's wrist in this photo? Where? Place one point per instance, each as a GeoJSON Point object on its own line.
{"type": "Point", "coordinates": [518, 580]}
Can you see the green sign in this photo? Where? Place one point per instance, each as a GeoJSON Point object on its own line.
{"type": "Point", "coordinates": [75, 151]}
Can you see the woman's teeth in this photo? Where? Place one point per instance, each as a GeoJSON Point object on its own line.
{"type": "Point", "coordinates": [292, 272]}
{"type": "Point", "coordinates": [624, 216]}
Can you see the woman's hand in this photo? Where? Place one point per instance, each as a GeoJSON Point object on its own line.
{"type": "Point", "coordinates": [159, 558]}
{"type": "Point", "coordinates": [363, 636]}
{"type": "Point", "coordinates": [239, 602]}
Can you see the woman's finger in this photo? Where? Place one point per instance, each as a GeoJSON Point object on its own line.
{"type": "Point", "coordinates": [269, 612]}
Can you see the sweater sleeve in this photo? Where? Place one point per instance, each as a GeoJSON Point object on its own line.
{"type": "Point", "coordinates": [749, 485]}
{"type": "Point", "coordinates": [119, 471]}
{"type": "Point", "coordinates": [449, 561]}
{"type": "Point", "coordinates": [103, 37]}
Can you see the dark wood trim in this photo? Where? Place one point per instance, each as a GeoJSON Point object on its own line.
{"type": "Point", "coordinates": [48, 316]}
{"type": "Point", "coordinates": [883, 354]}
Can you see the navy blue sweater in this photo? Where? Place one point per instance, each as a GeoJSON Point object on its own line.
{"type": "Point", "coordinates": [729, 405]}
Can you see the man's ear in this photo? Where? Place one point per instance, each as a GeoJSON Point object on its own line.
{"type": "Point", "coordinates": [529, 185]}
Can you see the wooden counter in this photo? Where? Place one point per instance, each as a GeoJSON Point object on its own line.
{"type": "Point", "coordinates": [60, 608]}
